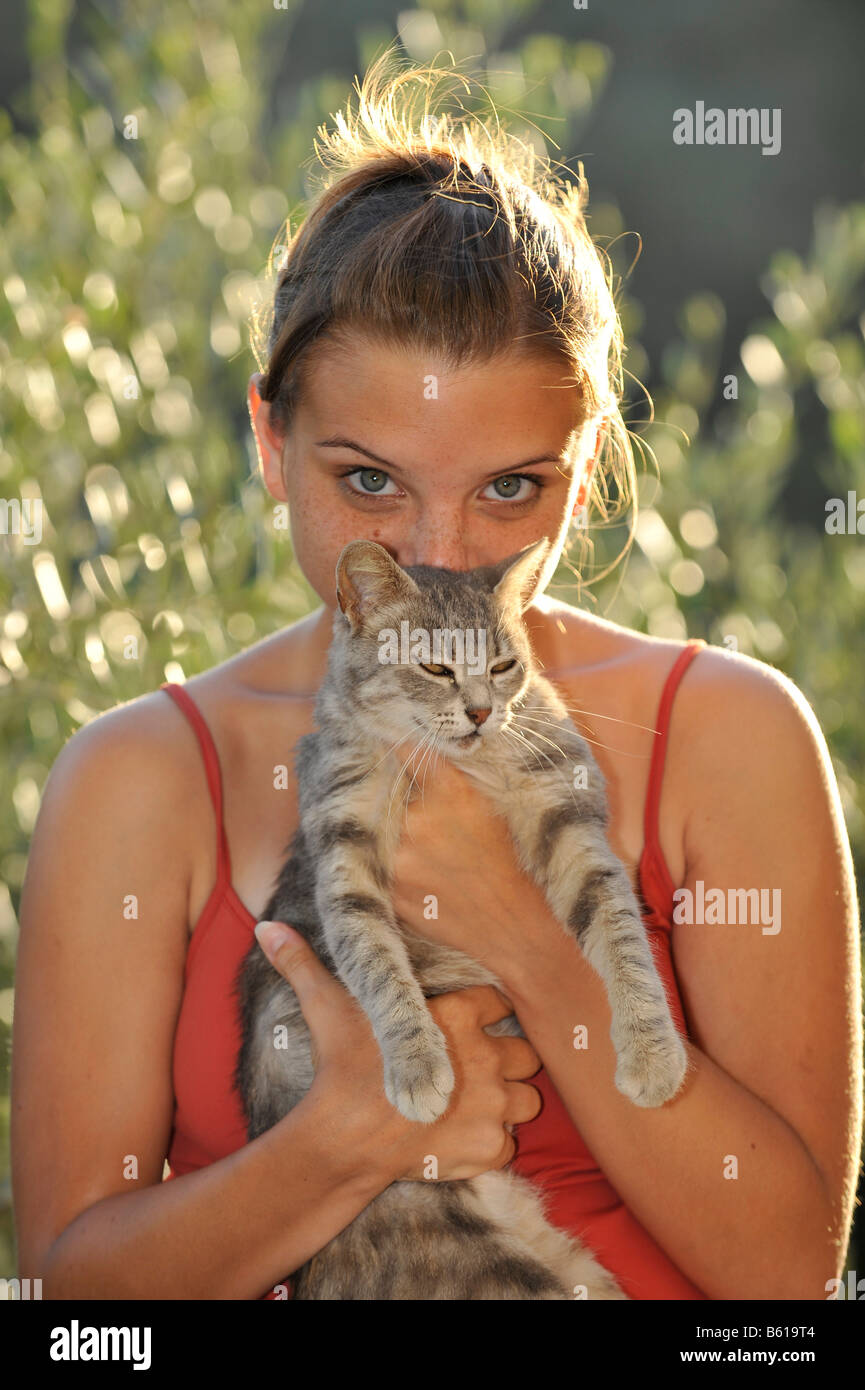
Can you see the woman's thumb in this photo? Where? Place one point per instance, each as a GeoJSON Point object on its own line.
{"type": "Point", "coordinates": [289, 953]}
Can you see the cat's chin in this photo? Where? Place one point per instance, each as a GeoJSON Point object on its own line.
{"type": "Point", "coordinates": [465, 745]}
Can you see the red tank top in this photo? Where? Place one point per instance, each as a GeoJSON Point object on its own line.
{"type": "Point", "coordinates": [208, 1120]}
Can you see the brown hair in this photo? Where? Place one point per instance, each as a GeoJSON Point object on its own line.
{"type": "Point", "coordinates": [436, 232]}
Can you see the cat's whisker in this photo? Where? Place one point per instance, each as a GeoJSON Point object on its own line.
{"type": "Point", "coordinates": [537, 719]}
{"type": "Point", "coordinates": [538, 734]}
{"type": "Point", "coordinates": [539, 752]}
{"type": "Point", "coordinates": [384, 755]}
{"type": "Point", "coordinates": [528, 709]}
{"type": "Point", "coordinates": [429, 747]}
{"type": "Point", "coordinates": [597, 742]}
{"type": "Point", "coordinates": [584, 735]}
{"type": "Point", "coordinates": [514, 734]}
{"type": "Point", "coordinates": [398, 779]}
{"type": "Point", "coordinates": [404, 765]}
{"type": "Point", "coordinates": [433, 762]}
{"type": "Point", "coordinates": [593, 714]}
{"type": "Point", "coordinates": [520, 735]}
{"type": "Point", "coordinates": [430, 754]}
{"type": "Point", "coordinates": [551, 723]}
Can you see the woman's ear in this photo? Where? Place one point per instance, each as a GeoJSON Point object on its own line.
{"type": "Point", "coordinates": [269, 443]}
{"type": "Point", "coordinates": [252, 396]}
{"type": "Point", "coordinates": [600, 439]}
{"type": "Point", "coordinates": [590, 464]}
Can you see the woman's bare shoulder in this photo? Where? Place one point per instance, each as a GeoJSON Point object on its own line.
{"type": "Point", "coordinates": [264, 693]}
{"type": "Point", "coordinates": [150, 732]}
{"type": "Point", "coordinates": [747, 724]}
{"type": "Point", "coordinates": [283, 664]}
{"type": "Point", "coordinates": [272, 671]}
{"type": "Point", "coordinates": [135, 763]}
{"type": "Point", "coordinates": [729, 700]}
{"type": "Point", "coordinates": [583, 643]}
{"type": "Point", "coordinates": [264, 680]}
{"type": "Point", "coordinates": [584, 640]}
{"type": "Point", "coordinates": [730, 709]}
{"type": "Point", "coordinates": [140, 728]}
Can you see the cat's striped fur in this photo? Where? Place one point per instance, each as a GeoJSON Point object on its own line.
{"type": "Point", "coordinates": [484, 1237]}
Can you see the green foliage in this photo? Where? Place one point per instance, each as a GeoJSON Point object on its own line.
{"type": "Point", "coordinates": [731, 538]}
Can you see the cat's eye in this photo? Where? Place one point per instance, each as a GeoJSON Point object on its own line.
{"type": "Point", "coordinates": [437, 670]}
{"type": "Point", "coordinates": [502, 667]}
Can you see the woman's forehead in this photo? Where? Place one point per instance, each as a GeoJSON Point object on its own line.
{"type": "Point", "coordinates": [408, 387]}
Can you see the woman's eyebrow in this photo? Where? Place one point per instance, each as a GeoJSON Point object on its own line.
{"type": "Point", "coordinates": [338, 442]}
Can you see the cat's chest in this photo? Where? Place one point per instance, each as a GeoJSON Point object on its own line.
{"type": "Point", "coordinates": [262, 811]}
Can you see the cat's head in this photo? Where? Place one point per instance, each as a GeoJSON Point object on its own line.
{"type": "Point", "coordinates": [434, 655]}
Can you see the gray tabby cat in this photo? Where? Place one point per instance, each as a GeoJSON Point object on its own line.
{"type": "Point", "coordinates": [504, 725]}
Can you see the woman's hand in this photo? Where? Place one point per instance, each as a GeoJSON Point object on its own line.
{"type": "Point", "coordinates": [454, 847]}
{"type": "Point", "coordinates": [348, 1090]}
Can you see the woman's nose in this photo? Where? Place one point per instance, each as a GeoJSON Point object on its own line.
{"type": "Point", "coordinates": [441, 560]}
{"type": "Point", "coordinates": [442, 547]}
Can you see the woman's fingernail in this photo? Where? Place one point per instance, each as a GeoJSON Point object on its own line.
{"type": "Point", "coordinates": [272, 935]}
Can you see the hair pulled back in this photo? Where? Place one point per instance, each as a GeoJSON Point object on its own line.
{"type": "Point", "coordinates": [431, 230]}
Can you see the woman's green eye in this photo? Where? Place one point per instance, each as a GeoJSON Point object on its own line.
{"type": "Point", "coordinates": [373, 482]}
{"type": "Point", "coordinates": [508, 486]}
{"type": "Point", "coordinates": [373, 478]}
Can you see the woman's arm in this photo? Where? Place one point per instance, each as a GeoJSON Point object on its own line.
{"type": "Point", "coordinates": [775, 1077]}
{"type": "Point", "coordinates": [232, 1230]}
{"type": "Point", "coordinates": [99, 985]}
{"type": "Point", "coordinates": [99, 982]}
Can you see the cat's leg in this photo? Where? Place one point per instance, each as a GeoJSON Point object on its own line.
{"type": "Point", "coordinates": [589, 890]}
{"type": "Point", "coordinates": [563, 844]}
{"type": "Point", "coordinates": [372, 961]}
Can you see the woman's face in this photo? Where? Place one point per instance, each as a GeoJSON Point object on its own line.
{"type": "Point", "coordinates": [453, 469]}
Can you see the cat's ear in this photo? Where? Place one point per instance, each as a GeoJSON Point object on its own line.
{"type": "Point", "coordinates": [521, 575]}
{"type": "Point", "coordinates": [367, 578]}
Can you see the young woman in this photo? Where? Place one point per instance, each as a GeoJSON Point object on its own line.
{"type": "Point", "coordinates": [441, 377]}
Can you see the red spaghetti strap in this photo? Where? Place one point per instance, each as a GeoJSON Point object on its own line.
{"type": "Point", "coordinates": [659, 747]}
{"type": "Point", "coordinates": [184, 700]}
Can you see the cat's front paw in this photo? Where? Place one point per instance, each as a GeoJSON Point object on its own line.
{"type": "Point", "coordinates": [651, 1071]}
{"type": "Point", "coordinates": [420, 1087]}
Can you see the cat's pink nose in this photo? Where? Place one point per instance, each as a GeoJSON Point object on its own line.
{"type": "Point", "coordinates": [478, 716]}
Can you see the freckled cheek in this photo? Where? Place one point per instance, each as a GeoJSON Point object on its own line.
{"type": "Point", "coordinates": [322, 523]}
{"type": "Point", "coordinates": [313, 561]}
{"type": "Point", "coordinates": [317, 529]}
